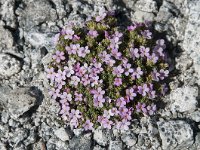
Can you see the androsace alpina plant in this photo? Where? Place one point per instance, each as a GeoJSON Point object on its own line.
{"type": "Point", "coordinates": [103, 75]}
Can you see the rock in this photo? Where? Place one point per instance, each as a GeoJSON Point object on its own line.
{"type": "Point", "coordinates": [129, 139]}
{"type": "Point", "coordinates": [7, 12]}
{"type": "Point", "coordinates": [62, 134]}
{"type": "Point", "coordinates": [32, 137]}
{"type": "Point", "coordinates": [83, 142]}
{"type": "Point", "coordinates": [6, 39]}
{"type": "Point", "coordinates": [3, 146]}
{"type": "Point", "coordinates": [35, 13]}
{"type": "Point", "coordinates": [192, 37]}
{"type": "Point", "coordinates": [183, 62]}
{"type": "Point", "coordinates": [115, 145]}
{"type": "Point", "coordinates": [184, 99]}
{"type": "Point", "coordinates": [102, 136]}
{"type": "Point", "coordinates": [147, 6]}
{"type": "Point", "coordinates": [38, 39]}
{"type": "Point", "coordinates": [4, 116]}
{"type": "Point", "coordinates": [19, 135]}
{"type": "Point", "coordinates": [141, 16]}
{"type": "Point", "coordinates": [8, 66]}
{"type": "Point", "coordinates": [97, 147]}
{"type": "Point", "coordinates": [175, 134]}
{"type": "Point", "coordinates": [21, 100]}
{"type": "Point", "coordinates": [195, 116]}
{"type": "Point", "coordinates": [78, 132]}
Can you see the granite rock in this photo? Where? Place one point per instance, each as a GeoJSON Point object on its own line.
{"type": "Point", "coordinates": [8, 66]}
{"type": "Point", "coordinates": [184, 99]}
{"type": "Point", "coordinates": [175, 134]}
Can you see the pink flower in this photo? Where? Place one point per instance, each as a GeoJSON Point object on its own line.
{"type": "Point", "coordinates": [128, 69]}
{"type": "Point", "coordinates": [75, 114]}
{"type": "Point", "coordinates": [118, 81]}
{"type": "Point", "coordinates": [147, 34]}
{"type": "Point", "coordinates": [69, 34]}
{"type": "Point", "coordinates": [74, 80]}
{"type": "Point", "coordinates": [54, 93]}
{"type": "Point", "coordinates": [88, 125]}
{"type": "Point", "coordinates": [50, 74]}
{"type": "Point", "coordinates": [93, 33]}
{"type": "Point", "coordinates": [66, 96]}
{"type": "Point", "coordinates": [123, 125]}
{"type": "Point", "coordinates": [144, 51]}
{"type": "Point", "coordinates": [118, 71]}
{"type": "Point", "coordinates": [106, 123]}
{"type": "Point", "coordinates": [131, 28]}
{"type": "Point", "coordinates": [102, 15]}
{"type": "Point", "coordinates": [59, 56]}
{"type": "Point", "coordinates": [106, 114]}
{"type": "Point", "coordinates": [78, 97]}
{"type": "Point", "coordinates": [116, 53]}
{"type": "Point", "coordinates": [131, 93]}
{"type": "Point", "coordinates": [120, 102]}
{"type": "Point", "coordinates": [56, 38]}
{"type": "Point", "coordinates": [163, 74]}
{"type": "Point", "coordinates": [74, 122]}
{"type": "Point", "coordinates": [113, 111]}
{"type": "Point", "coordinates": [69, 71]}
{"type": "Point", "coordinates": [83, 51]}
{"type": "Point", "coordinates": [134, 53]}
{"type": "Point", "coordinates": [98, 102]}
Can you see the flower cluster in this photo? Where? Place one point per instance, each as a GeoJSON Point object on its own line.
{"type": "Point", "coordinates": [104, 76]}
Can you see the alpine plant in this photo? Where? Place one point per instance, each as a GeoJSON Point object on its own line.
{"type": "Point", "coordinates": [104, 75]}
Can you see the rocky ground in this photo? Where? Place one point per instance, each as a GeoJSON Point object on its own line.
{"type": "Point", "coordinates": [29, 118]}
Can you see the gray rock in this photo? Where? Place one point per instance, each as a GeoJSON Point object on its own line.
{"type": "Point", "coordinates": [147, 6]}
{"type": "Point", "coordinates": [175, 134]}
{"type": "Point", "coordinates": [141, 16]}
{"type": "Point", "coordinates": [3, 146]}
{"type": "Point", "coordinates": [195, 116]}
{"type": "Point", "coordinates": [7, 12]}
{"type": "Point", "coordinates": [192, 37]}
{"type": "Point", "coordinates": [83, 142]}
{"type": "Point", "coordinates": [62, 134]}
{"type": "Point", "coordinates": [4, 117]}
{"type": "Point", "coordinates": [19, 135]}
{"type": "Point", "coordinates": [21, 100]}
{"type": "Point", "coordinates": [35, 13]}
{"type": "Point", "coordinates": [184, 99]}
{"type": "Point", "coordinates": [102, 136]}
{"type": "Point", "coordinates": [38, 39]}
{"type": "Point", "coordinates": [97, 147]}
{"type": "Point", "coordinates": [129, 139]}
{"type": "Point", "coordinates": [8, 66]}
{"type": "Point", "coordinates": [78, 132]}
{"type": "Point", "coordinates": [115, 145]}
{"type": "Point", "coordinates": [6, 39]}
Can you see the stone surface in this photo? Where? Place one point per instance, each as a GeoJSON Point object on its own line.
{"type": "Point", "coordinates": [101, 136]}
{"type": "Point", "coordinates": [8, 66]}
{"type": "Point", "coordinates": [6, 39]}
{"type": "Point", "coordinates": [62, 134]}
{"type": "Point", "coordinates": [83, 142]}
{"type": "Point", "coordinates": [147, 6]}
{"type": "Point", "coordinates": [35, 13]}
{"type": "Point", "coordinates": [192, 37]}
{"type": "Point", "coordinates": [129, 139]}
{"type": "Point", "coordinates": [7, 12]}
{"type": "Point", "coordinates": [115, 145]}
{"type": "Point", "coordinates": [184, 99]}
{"type": "Point", "coordinates": [175, 134]}
{"type": "Point", "coordinates": [21, 100]}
